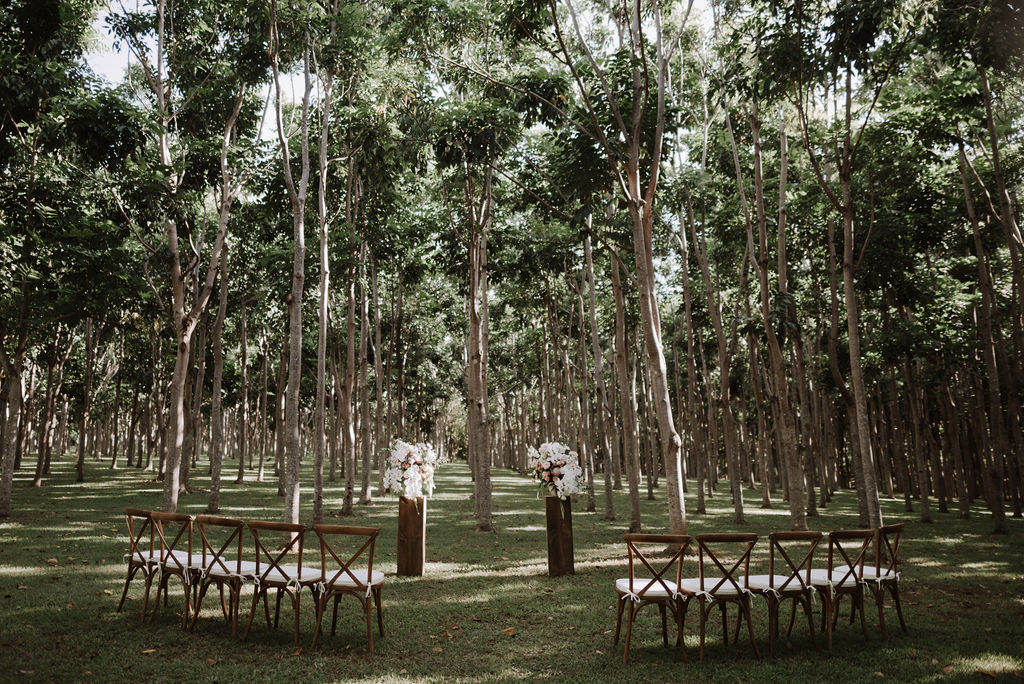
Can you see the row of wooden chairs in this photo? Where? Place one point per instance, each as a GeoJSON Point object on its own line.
{"type": "Point", "coordinates": [163, 546]}
{"type": "Point", "coordinates": [858, 561]}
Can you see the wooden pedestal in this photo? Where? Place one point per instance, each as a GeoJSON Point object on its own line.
{"type": "Point", "coordinates": [412, 536]}
{"type": "Point", "coordinates": [559, 523]}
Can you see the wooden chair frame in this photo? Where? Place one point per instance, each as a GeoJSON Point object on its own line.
{"type": "Point", "coordinates": [221, 565]}
{"type": "Point", "coordinates": [794, 586]}
{"type": "Point", "coordinates": [343, 579]}
{"type": "Point", "coordinates": [141, 556]}
{"type": "Point", "coordinates": [657, 589]}
{"type": "Point", "coordinates": [287, 579]}
{"type": "Point", "coordinates": [173, 563]}
{"type": "Point", "coordinates": [730, 584]}
{"type": "Point", "coordinates": [845, 562]}
{"type": "Point", "coordinates": [885, 575]}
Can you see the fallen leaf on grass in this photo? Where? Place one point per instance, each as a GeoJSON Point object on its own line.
{"type": "Point", "coordinates": [148, 651]}
{"type": "Point", "coordinates": [108, 592]}
{"type": "Point", "coordinates": [934, 661]}
{"type": "Point", "coordinates": [947, 669]}
{"type": "Point", "coordinates": [297, 651]}
{"type": "Point", "coordinates": [985, 673]}
{"type": "Point", "coordinates": [51, 561]}
{"type": "Point", "coordinates": [211, 661]}
{"type": "Point", "coordinates": [509, 631]}
{"type": "Point", "coordinates": [988, 629]}
{"type": "Point", "coordinates": [598, 652]}
{"type": "Point", "coordinates": [22, 586]}
{"type": "Point", "coordinates": [403, 671]}
{"type": "Point", "coordinates": [438, 649]}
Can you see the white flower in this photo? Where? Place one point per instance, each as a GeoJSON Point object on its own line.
{"type": "Point", "coordinates": [556, 468]}
{"type": "Point", "coordinates": [410, 470]}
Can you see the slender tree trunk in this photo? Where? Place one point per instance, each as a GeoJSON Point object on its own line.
{"type": "Point", "coordinates": [603, 410]}
{"type": "Point", "coordinates": [627, 405]}
{"type": "Point", "coordinates": [216, 396]}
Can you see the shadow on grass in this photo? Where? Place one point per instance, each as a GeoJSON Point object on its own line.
{"type": "Point", "coordinates": [485, 609]}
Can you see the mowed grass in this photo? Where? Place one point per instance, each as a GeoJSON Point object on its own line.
{"type": "Point", "coordinates": [485, 609]}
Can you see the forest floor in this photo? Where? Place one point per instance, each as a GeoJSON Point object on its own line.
{"type": "Point", "coordinates": [485, 609]}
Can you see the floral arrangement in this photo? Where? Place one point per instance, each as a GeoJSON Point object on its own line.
{"type": "Point", "coordinates": [557, 469]}
{"type": "Point", "coordinates": [409, 469]}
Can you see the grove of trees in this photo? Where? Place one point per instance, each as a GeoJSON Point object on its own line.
{"type": "Point", "coordinates": [762, 249]}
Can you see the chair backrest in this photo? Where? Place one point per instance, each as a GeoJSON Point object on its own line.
{"type": "Point", "coordinates": [343, 538]}
{"type": "Point", "coordinates": [847, 550]}
{"type": "Point", "coordinates": [788, 546]}
{"type": "Point", "coordinates": [140, 527]}
{"type": "Point", "coordinates": [887, 549]}
{"type": "Point", "coordinates": [710, 556]}
{"type": "Point", "coordinates": [274, 560]}
{"type": "Point", "coordinates": [667, 575]}
{"type": "Point", "coordinates": [222, 543]}
{"type": "Point", "coordinates": [175, 533]}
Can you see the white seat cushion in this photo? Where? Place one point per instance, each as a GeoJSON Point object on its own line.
{"type": "Point", "coordinates": [884, 574]}
{"type": "Point", "coordinates": [655, 591]}
{"type": "Point", "coordinates": [275, 576]}
{"type": "Point", "coordinates": [821, 577]}
{"type": "Point", "coordinates": [345, 580]}
{"type": "Point", "coordinates": [215, 569]}
{"type": "Point", "coordinates": [762, 582]}
{"type": "Point", "coordinates": [144, 557]}
{"type": "Point", "coordinates": [691, 585]}
{"type": "Point", "coordinates": [178, 560]}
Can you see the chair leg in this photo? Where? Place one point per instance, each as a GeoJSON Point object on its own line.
{"type": "Point", "coordinates": [745, 608]}
{"type": "Point", "coordinates": [805, 601]}
{"type": "Point", "coordinates": [703, 624]}
{"type": "Point", "coordinates": [894, 589]}
{"type": "Point", "coordinates": [618, 621]}
{"type": "Point", "coordinates": [629, 631]}
{"type": "Point", "coordinates": [296, 602]}
{"type": "Point", "coordinates": [879, 594]}
{"type": "Point", "coordinates": [132, 570]}
{"type": "Point", "coordinates": [725, 623]}
{"type": "Point", "coordinates": [380, 610]}
{"type": "Point", "coordinates": [369, 622]}
{"type": "Point", "coordinates": [664, 624]}
{"type": "Point", "coordinates": [235, 589]}
{"type": "Point", "coordinates": [252, 613]}
{"type": "Point", "coordinates": [858, 599]}
{"type": "Point", "coordinates": [680, 613]}
{"type": "Point", "coordinates": [334, 614]}
{"type": "Point", "coordinates": [277, 607]}
{"type": "Point", "coordinates": [266, 607]}
{"type": "Point", "coordinates": [321, 605]}
{"type": "Point", "coordinates": [773, 623]}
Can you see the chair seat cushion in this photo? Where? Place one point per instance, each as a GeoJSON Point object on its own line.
{"type": "Point", "coordinates": [345, 580]}
{"type": "Point", "coordinates": [654, 592]}
{"type": "Point", "coordinates": [778, 583]}
{"type": "Point", "coordinates": [309, 575]}
{"type": "Point", "coordinates": [882, 575]}
{"type": "Point", "coordinates": [691, 585]}
{"type": "Point", "coordinates": [230, 567]}
{"type": "Point", "coordinates": [839, 577]}
{"type": "Point", "coordinates": [177, 560]}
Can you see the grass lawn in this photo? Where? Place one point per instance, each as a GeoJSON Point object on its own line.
{"type": "Point", "coordinates": [485, 609]}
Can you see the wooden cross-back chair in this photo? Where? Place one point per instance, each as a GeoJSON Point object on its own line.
{"type": "Point", "coordinates": [884, 574]}
{"type": "Point", "coordinates": [659, 586]}
{"type": "Point", "coordinates": [143, 553]}
{"type": "Point", "coordinates": [352, 576]}
{"type": "Point", "coordinates": [221, 563]}
{"type": "Point", "coordinates": [721, 580]}
{"type": "Point", "coordinates": [174, 531]}
{"type": "Point", "coordinates": [790, 556]}
{"type": "Point", "coordinates": [844, 575]}
{"type": "Point", "coordinates": [272, 571]}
